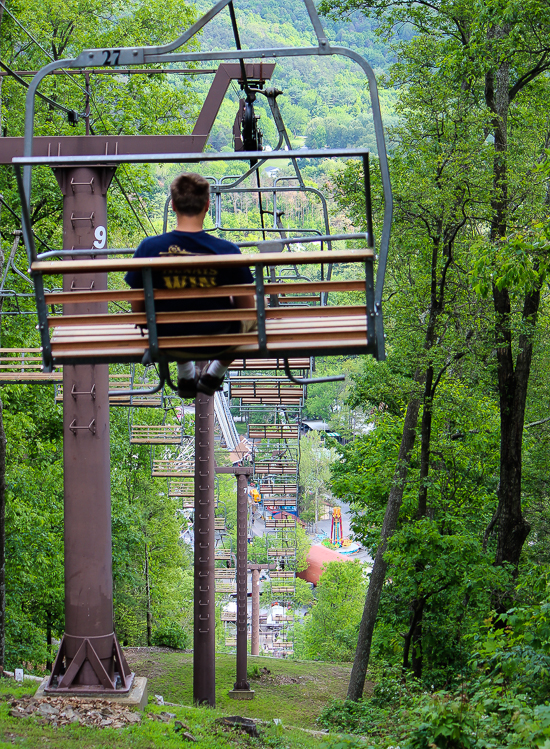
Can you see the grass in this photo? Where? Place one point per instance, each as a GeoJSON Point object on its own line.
{"type": "Point", "coordinates": [294, 692]}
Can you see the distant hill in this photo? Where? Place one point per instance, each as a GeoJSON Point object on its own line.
{"type": "Point", "coordinates": [326, 100]}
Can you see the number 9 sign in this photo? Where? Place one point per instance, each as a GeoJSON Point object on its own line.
{"type": "Point", "coordinates": [100, 237]}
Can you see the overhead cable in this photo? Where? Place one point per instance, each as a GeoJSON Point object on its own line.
{"type": "Point", "coordinates": [45, 51]}
{"type": "Point", "coordinates": [123, 191]}
{"type": "Point", "coordinates": [238, 45]}
{"type": "Point", "coordinates": [47, 99]}
{"type": "Point", "coordinates": [13, 213]}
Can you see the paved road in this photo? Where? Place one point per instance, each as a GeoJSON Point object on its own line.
{"type": "Point", "coordinates": [323, 527]}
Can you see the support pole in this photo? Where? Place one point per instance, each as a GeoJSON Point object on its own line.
{"type": "Point", "coordinates": [204, 641]}
{"type": "Point", "coordinates": [241, 689]}
{"type": "Point", "coordinates": [89, 658]}
{"type": "Point", "coordinates": [255, 640]}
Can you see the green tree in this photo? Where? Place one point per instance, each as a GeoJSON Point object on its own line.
{"type": "Point", "coordinates": [330, 630]}
{"type": "Point", "coordinates": [478, 77]}
{"type": "Point", "coordinates": [497, 51]}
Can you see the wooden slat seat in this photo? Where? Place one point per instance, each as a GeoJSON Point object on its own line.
{"type": "Point", "coordinates": [272, 401]}
{"type": "Point", "coordinates": [219, 525]}
{"type": "Point", "coordinates": [228, 616]}
{"type": "Point", "coordinates": [261, 381]}
{"type": "Point", "coordinates": [279, 489]}
{"type": "Point", "coordinates": [291, 331]}
{"type": "Point", "coordinates": [244, 365]}
{"type": "Point", "coordinates": [280, 523]}
{"type": "Point", "coordinates": [223, 586]}
{"type": "Point", "coordinates": [281, 551]}
{"type": "Point", "coordinates": [283, 645]}
{"type": "Point", "coordinates": [223, 554]}
{"type": "Point", "coordinates": [225, 573]}
{"type": "Point", "coordinates": [282, 502]}
{"type": "Point", "coordinates": [24, 366]}
{"type": "Point", "coordinates": [165, 434]}
{"type": "Point", "coordinates": [296, 298]}
{"type": "Point", "coordinates": [266, 393]}
{"type": "Point", "coordinates": [173, 468]}
{"type": "Point", "coordinates": [275, 467]}
{"type": "Point", "coordinates": [123, 342]}
{"type": "Point", "coordinates": [273, 431]}
{"type": "Point", "coordinates": [281, 575]}
{"type": "Point", "coordinates": [181, 490]}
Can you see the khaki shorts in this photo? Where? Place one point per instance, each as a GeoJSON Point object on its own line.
{"type": "Point", "coordinates": [247, 326]}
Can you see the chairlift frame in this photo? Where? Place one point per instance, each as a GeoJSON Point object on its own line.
{"type": "Point", "coordinates": [166, 54]}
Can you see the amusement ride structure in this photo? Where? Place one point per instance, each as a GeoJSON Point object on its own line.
{"type": "Point", "coordinates": [85, 324]}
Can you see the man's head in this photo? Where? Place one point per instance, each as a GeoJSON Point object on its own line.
{"type": "Point", "coordinates": [190, 194]}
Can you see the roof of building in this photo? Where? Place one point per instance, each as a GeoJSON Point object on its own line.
{"type": "Point", "coordinates": [317, 557]}
{"type": "Point", "coordinates": [321, 426]}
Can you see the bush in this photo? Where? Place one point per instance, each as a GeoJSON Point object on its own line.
{"type": "Point", "coordinates": [169, 634]}
{"type": "Point", "coordinates": [347, 716]}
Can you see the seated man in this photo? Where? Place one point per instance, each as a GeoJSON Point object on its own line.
{"type": "Point", "coordinates": [190, 200]}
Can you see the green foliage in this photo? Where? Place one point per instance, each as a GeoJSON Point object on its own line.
{"type": "Point", "coordinates": [34, 518]}
{"type": "Point", "coordinates": [452, 574]}
{"type": "Point", "coordinates": [330, 630]}
{"type": "Point", "coordinates": [144, 104]}
{"type": "Point", "coordinates": [520, 261]}
{"type": "Point", "coordinates": [169, 634]}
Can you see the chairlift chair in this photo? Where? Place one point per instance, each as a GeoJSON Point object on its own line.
{"type": "Point", "coordinates": [288, 330]}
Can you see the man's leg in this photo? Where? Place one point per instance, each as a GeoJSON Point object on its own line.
{"type": "Point", "coordinates": [187, 379]}
{"type": "Point", "coordinates": [211, 379]}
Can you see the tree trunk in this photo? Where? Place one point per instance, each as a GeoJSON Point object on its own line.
{"type": "Point", "coordinates": [2, 539]}
{"type": "Point", "coordinates": [426, 436]}
{"type": "Point", "coordinates": [148, 600]}
{"type": "Point", "coordinates": [416, 645]}
{"type": "Point", "coordinates": [2, 470]}
{"type": "Point", "coordinates": [512, 383]}
{"type": "Point", "coordinates": [378, 574]}
{"type": "Point", "coordinates": [1, 77]}
{"type": "Point", "coordinates": [413, 639]}
{"type": "Point", "coordinates": [316, 510]}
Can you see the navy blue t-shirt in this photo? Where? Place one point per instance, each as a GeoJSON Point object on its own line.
{"type": "Point", "coordinates": [177, 243]}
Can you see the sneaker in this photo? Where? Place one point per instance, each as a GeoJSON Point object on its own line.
{"type": "Point", "coordinates": [208, 384]}
{"type": "Point", "coordinates": [187, 388]}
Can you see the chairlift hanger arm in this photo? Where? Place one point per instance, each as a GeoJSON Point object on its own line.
{"type": "Point", "coordinates": [191, 158]}
{"type": "Point", "coordinates": [310, 380]}
{"type": "Point", "coordinates": [261, 260]}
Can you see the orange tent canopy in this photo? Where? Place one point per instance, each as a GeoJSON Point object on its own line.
{"type": "Point", "coordinates": [316, 558]}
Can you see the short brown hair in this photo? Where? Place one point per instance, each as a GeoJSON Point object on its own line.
{"type": "Point", "coordinates": [190, 193]}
